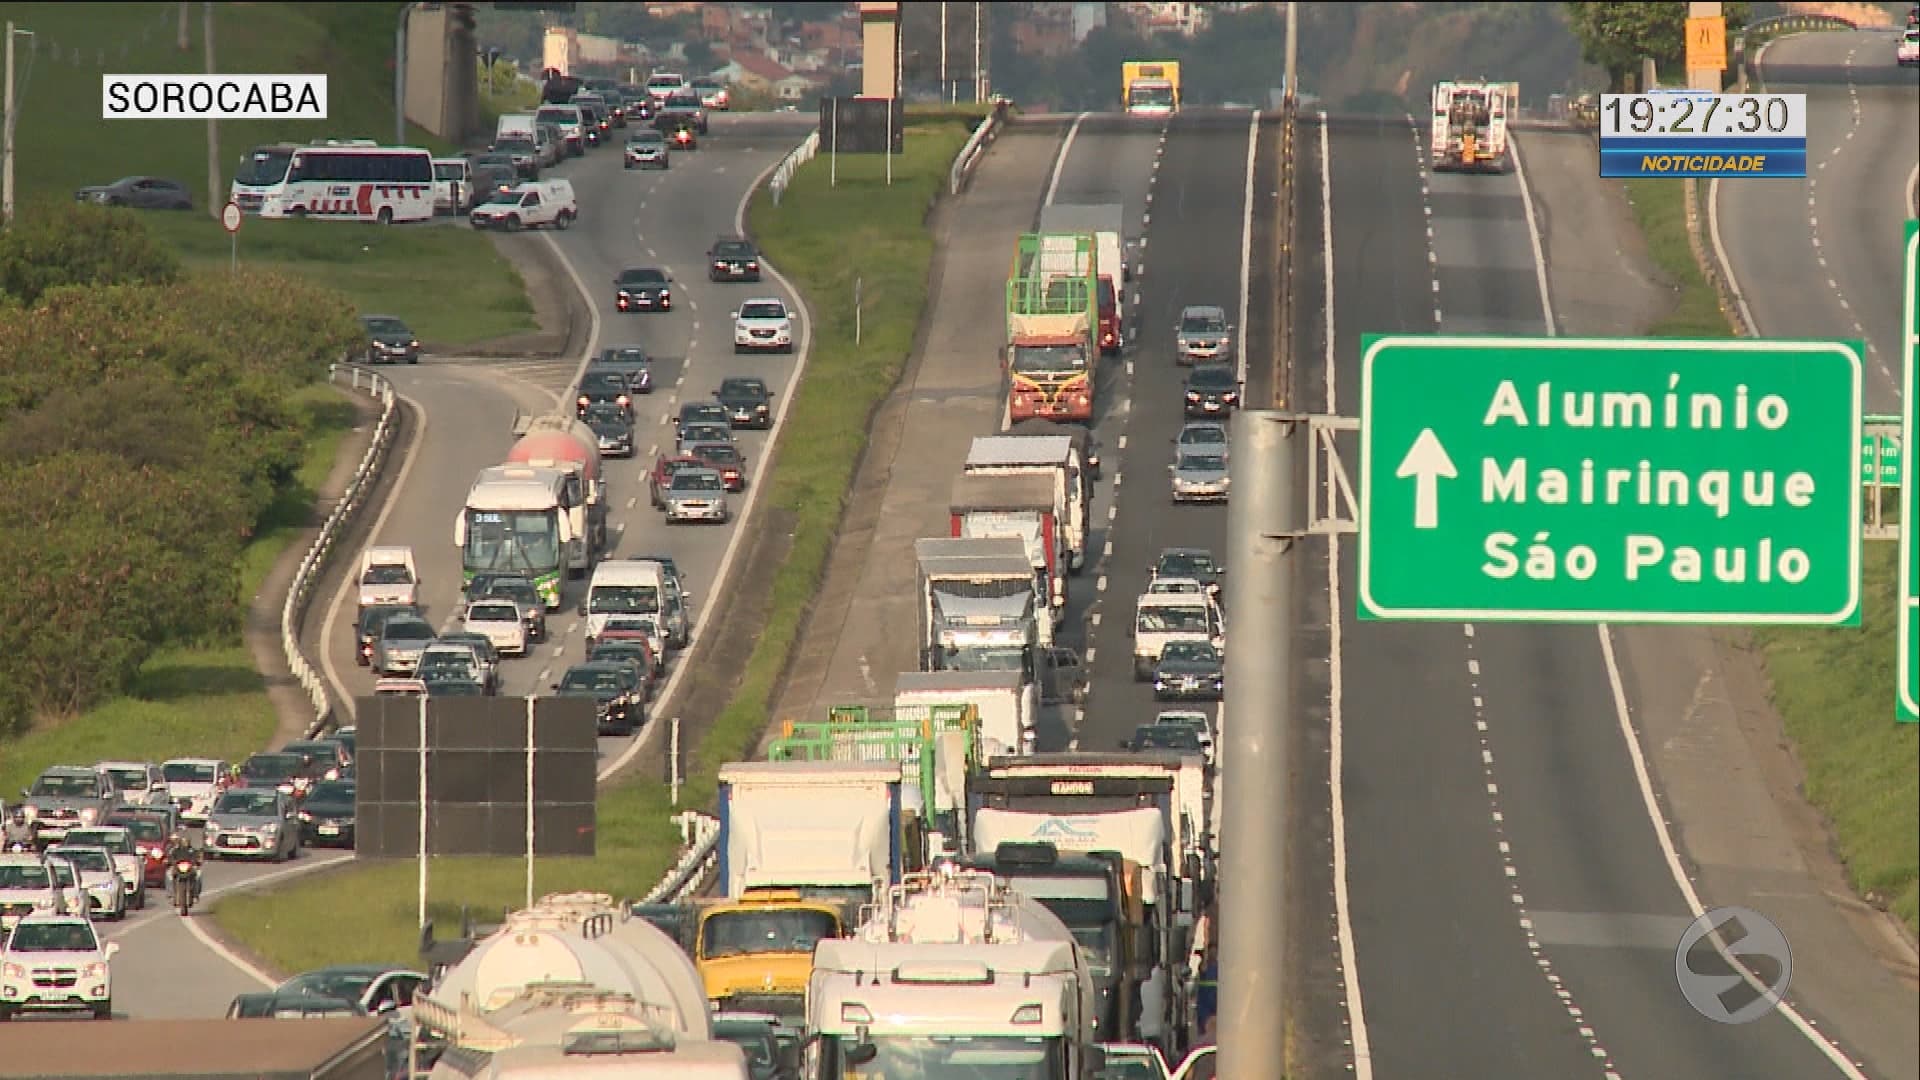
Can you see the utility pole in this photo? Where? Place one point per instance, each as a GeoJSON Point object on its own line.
{"type": "Point", "coordinates": [1255, 782]}
{"type": "Point", "coordinates": [186, 40]}
{"type": "Point", "coordinates": [979, 80]}
{"type": "Point", "coordinates": [6, 136]}
{"type": "Point", "coordinates": [946, 88]}
{"type": "Point", "coordinates": [400, 77]}
{"type": "Point", "coordinates": [216, 202]}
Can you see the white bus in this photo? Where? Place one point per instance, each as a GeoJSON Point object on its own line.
{"type": "Point", "coordinates": [340, 180]}
{"type": "Point", "coordinates": [518, 521]}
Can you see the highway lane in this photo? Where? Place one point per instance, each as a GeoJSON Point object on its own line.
{"type": "Point", "coordinates": [629, 218]}
{"type": "Point", "coordinates": [1195, 236]}
{"type": "Point", "coordinates": [468, 408]}
{"type": "Point", "coordinates": [1110, 159]}
{"type": "Point", "coordinates": [1821, 257]}
{"type": "Point", "coordinates": [1511, 912]}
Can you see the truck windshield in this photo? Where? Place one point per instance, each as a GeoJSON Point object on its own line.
{"type": "Point", "coordinates": [387, 574]}
{"type": "Point", "coordinates": [1153, 94]}
{"type": "Point", "coordinates": [747, 933]}
{"type": "Point", "coordinates": [264, 167]}
{"type": "Point", "coordinates": [941, 1057]}
{"type": "Point", "coordinates": [623, 600]}
{"type": "Point", "coordinates": [985, 658]}
{"type": "Point", "coordinates": [1046, 358]}
{"type": "Point", "coordinates": [512, 541]}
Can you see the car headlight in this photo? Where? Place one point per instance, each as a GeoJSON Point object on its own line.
{"type": "Point", "coordinates": [13, 971]}
{"type": "Point", "coordinates": [95, 970]}
{"type": "Point", "coordinates": [306, 817]}
{"type": "Point", "coordinates": [89, 813]}
{"type": "Point", "coordinates": [271, 828]}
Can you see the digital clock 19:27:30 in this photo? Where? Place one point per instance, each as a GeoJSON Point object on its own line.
{"type": "Point", "coordinates": [1684, 115]}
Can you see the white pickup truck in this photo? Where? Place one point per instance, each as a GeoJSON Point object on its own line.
{"type": "Point", "coordinates": [533, 205]}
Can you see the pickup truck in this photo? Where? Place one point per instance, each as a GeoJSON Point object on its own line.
{"type": "Point", "coordinates": [67, 797]}
{"type": "Point", "coordinates": [545, 203]}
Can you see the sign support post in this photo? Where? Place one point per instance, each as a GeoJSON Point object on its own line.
{"type": "Point", "coordinates": [230, 218]}
{"type": "Point", "coordinates": [1907, 707]}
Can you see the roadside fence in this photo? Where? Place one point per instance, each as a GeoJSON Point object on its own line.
{"type": "Point", "coordinates": [783, 173]}
{"type": "Point", "coordinates": [696, 865]}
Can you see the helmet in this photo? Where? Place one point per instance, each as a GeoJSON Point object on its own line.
{"type": "Point", "coordinates": [19, 815]}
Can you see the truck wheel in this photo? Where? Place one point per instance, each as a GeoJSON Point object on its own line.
{"type": "Point", "coordinates": [513, 223]}
{"type": "Point", "coordinates": [565, 220]}
{"type": "Point", "coordinates": [385, 216]}
{"type": "Point", "coordinates": [1141, 672]}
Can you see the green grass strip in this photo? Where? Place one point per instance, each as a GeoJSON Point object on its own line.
{"type": "Point", "coordinates": [822, 236]}
{"type": "Point", "coordinates": [1833, 687]}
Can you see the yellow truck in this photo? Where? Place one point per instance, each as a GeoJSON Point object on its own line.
{"type": "Point", "coordinates": [1150, 87]}
{"type": "Point", "coordinates": [755, 952]}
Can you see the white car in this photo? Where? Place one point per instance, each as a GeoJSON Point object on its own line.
{"type": "Point", "coordinates": [533, 205]}
{"type": "Point", "coordinates": [763, 323]}
{"type": "Point", "coordinates": [26, 888]}
{"type": "Point", "coordinates": [55, 961]}
{"type": "Point", "coordinates": [97, 876]}
{"type": "Point", "coordinates": [1907, 53]}
{"type": "Point", "coordinates": [500, 621]}
{"type": "Point", "coordinates": [117, 842]}
{"type": "Point", "coordinates": [141, 783]}
{"type": "Point", "coordinates": [193, 784]}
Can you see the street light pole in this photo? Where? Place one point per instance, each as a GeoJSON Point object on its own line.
{"type": "Point", "coordinates": [400, 77]}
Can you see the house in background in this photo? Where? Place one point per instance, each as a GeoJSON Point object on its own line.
{"type": "Point", "coordinates": [753, 71]}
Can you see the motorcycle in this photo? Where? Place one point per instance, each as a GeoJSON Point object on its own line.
{"type": "Point", "coordinates": [185, 874]}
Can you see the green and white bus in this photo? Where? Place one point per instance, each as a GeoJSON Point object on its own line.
{"type": "Point", "coordinates": [518, 520]}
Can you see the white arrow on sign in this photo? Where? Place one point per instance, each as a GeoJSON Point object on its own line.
{"type": "Point", "coordinates": [1426, 462]}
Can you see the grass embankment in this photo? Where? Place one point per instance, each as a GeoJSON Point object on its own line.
{"type": "Point", "coordinates": [820, 237]}
{"type": "Point", "coordinates": [1833, 687]}
{"type": "Point", "coordinates": [197, 700]}
{"type": "Point", "coordinates": [448, 283]}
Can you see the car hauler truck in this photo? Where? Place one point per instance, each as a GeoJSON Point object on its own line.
{"type": "Point", "coordinates": [1106, 223]}
{"type": "Point", "coordinates": [979, 605]}
{"type": "Point", "coordinates": [1097, 897]}
{"type": "Point", "coordinates": [829, 829]}
{"type": "Point", "coordinates": [1470, 126]}
{"type": "Point", "coordinates": [1020, 507]}
{"type": "Point", "coordinates": [1150, 87]}
{"type": "Point", "coordinates": [566, 444]}
{"type": "Point", "coordinates": [954, 974]}
{"type": "Point", "coordinates": [1052, 323]}
{"type": "Point", "coordinates": [1055, 457]}
{"type": "Point", "coordinates": [1006, 703]}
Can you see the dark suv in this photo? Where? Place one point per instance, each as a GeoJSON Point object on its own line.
{"type": "Point", "coordinates": [604, 387]}
{"type": "Point", "coordinates": [1212, 390]}
{"type": "Point", "coordinates": [615, 688]}
{"type": "Point", "coordinates": [733, 260]}
{"type": "Point", "coordinates": [748, 402]}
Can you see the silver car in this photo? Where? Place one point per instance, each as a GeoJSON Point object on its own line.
{"type": "Point", "coordinates": [1203, 435]}
{"type": "Point", "coordinates": [697, 495]}
{"type": "Point", "coordinates": [141, 783]}
{"type": "Point", "coordinates": [1205, 334]}
{"type": "Point", "coordinates": [402, 640]}
{"type": "Point", "coordinates": [1200, 476]}
{"type": "Point", "coordinates": [253, 823]}
{"type": "Point", "coordinates": [98, 878]}
{"type": "Point", "coordinates": [127, 862]}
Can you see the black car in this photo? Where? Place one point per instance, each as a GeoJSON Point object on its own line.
{"type": "Point", "coordinates": [643, 288]}
{"type": "Point", "coordinates": [290, 1006]}
{"type": "Point", "coordinates": [630, 360]}
{"type": "Point", "coordinates": [1189, 671]}
{"type": "Point", "coordinates": [290, 773]}
{"type": "Point", "coordinates": [327, 816]}
{"type": "Point", "coordinates": [748, 402]}
{"type": "Point", "coordinates": [1212, 390]}
{"type": "Point", "coordinates": [1195, 563]}
{"type": "Point", "coordinates": [613, 427]}
{"type": "Point", "coordinates": [700, 412]}
{"type": "Point", "coordinates": [604, 388]}
{"type": "Point", "coordinates": [372, 620]}
{"type": "Point", "coordinates": [687, 103]}
{"type": "Point", "coordinates": [140, 193]}
{"type": "Point", "coordinates": [690, 434]}
{"type": "Point", "coordinates": [616, 692]}
{"type": "Point", "coordinates": [733, 260]}
{"type": "Point", "coordinates": [1179, 738]}
{"type": "Point", "coordinates": [441, 684]}
{"type": "Point", "coordinates": [389, 341]}
{"type": "Point", "coordinates": [621, 651]}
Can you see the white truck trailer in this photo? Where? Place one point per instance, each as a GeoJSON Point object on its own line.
{"type": "Point", "coordinates": [954, 974]}
{"type": "Point", "coordinates": [828, 829]}
{"type": "Point", "coordinates": [1007, 703]}
{"type": "Point", "coordinates": [1053, 456]}
{"type": "Point", "coordinates": [978, 605]}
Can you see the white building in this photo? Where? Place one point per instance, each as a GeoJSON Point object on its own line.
{"type": "Point", "coordinates": [1086, 19]}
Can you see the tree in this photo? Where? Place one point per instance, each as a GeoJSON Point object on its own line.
{"type": "Point", "coordinates": [1616, 36]}
{"type": "Point", "coordinates": [80, 244]}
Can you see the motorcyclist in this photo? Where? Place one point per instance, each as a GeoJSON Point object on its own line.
{"type": "Point", "coordinates": [17, 830]}
{"type": "Point", "coordinates": [179, 850]}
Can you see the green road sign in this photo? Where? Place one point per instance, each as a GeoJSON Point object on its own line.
{"type": "Point", "coordinates": [1880, 451]}
{"type": "Point", "coordinates": [1908, 707]}
{"type": "Point", "coordinates": [1610, 480]}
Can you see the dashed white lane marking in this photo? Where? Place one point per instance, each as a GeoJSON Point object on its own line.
{"type": "Point", "coordinates": [1090, 654]}
{"type": "Point", "coordinates": [1121, 442]}
{"type": "Point", "coordinates": [652, 254]}
{"type": "Point", "coordinates": [1106, 552]}
{"type": "Point", "coordinates": [653, 449]}
{"type": "Point", "coordinates": [1813, 227]}
{"type": "Point", "coordinates": [630, 505]}
{"type": "Point", "coordinates": [1100, 585]}
{"type": "Point", "coordinates": [1094, 618]}
{"type": "Point", "coordinates": [1112, 512]}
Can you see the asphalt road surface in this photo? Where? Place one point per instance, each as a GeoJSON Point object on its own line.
{"type": "Point", "coordinates": [1196, 230]}
{"type": "Point", "coordinates": [468, 406]}
{"type": "Point", "coordinates": [1821, 257]}
{"type": "Point", "coordinates": [1511, 913]}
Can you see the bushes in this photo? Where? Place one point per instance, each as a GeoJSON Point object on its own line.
{"type": "Point", "coordinates": [145, 426]}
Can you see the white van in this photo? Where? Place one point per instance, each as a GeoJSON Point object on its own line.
{"type": "Point", "coordinates": [662, 85]}
{"type": "Point", "coordinates": [452, 185]}
{"type": "Point", "coordinates": [572, 125]}
{"type": "Point", "coordinates": [534, 205]}
{"type": "Point", "coordinates": [623, 587]}
{"type": "Point", "coordinates": [388, 575]}
{"type": "Point", "coordinates": [516, 126]}
{"type": "Point", "coordinates": [1173, 616]}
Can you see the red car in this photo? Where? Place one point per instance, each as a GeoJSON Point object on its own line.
{"type": "Point", "coordinates": [1112, 336]}
{"type": "Point", "coordinates": [150, 830]}
{"type": "Point", "coordinates": [661, 477]}
{"type": "Point", "coordinates": [725, 459]}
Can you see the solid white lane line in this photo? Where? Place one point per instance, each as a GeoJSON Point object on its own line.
{"type": "Point", "coordinates": [1060, 162]}
{"type": "Point", "coordinates": [1246, 246]}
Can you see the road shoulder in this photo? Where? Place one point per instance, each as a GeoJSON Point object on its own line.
{"type": "Point", "coordinates": [1717, 750]}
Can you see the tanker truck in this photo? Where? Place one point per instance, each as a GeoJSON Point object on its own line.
{"type": "Point", "coordinates": [567, 444]}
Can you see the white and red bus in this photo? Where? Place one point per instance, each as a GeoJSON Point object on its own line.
{"type": "Point", "coordinates": [337, 181]}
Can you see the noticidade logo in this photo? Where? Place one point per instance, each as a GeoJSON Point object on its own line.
{"type": "Point", "coordinates": [213, 97]}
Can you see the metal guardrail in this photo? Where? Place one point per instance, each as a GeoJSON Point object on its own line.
{"type": "Point", "coordinates": [783, 173]}
{"type": "Point", "coordinates": [1791, 24]}
{"type": "Point", "coordinates": [696, 864]}
{"type": "Point", "coordinates": [307, 577]}
{"type": "Point", "coordinates": [971, 152]}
